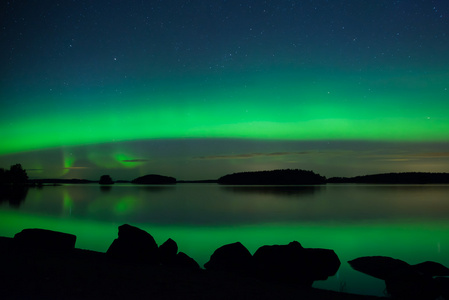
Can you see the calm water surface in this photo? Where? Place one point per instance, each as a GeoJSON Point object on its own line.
{"type": "Point", "coordinates": [409, 222]}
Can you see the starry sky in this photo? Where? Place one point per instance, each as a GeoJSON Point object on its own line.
{"type": "Point", "coordinates": [198, 89]}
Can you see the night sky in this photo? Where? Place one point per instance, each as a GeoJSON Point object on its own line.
{"type": "Point", "coordinates": [199, 89]}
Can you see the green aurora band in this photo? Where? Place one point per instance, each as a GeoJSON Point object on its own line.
{"type": "Point", "coordinates": [284, 105]}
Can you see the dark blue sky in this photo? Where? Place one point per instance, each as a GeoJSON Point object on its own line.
{"type": "Point", "coordinates": [81, 74]}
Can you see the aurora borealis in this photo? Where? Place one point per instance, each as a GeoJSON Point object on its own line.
{"type": "Point", "coordinates": [198, 89]}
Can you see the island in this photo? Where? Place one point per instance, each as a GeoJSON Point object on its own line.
{"type": "Point", "coordinates": [106, 179]}
{"type": "Point", "coordinates": [274, 177]}
{"type": "Point", "coordinates": [396, 178]}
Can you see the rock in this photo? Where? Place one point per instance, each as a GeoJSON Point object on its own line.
{"type": "Point", "coordinates": [167, 252]}
{"type": "Point", "coordinates": [44, 241]}
{"type": "Point", "coordinates": [134, 244]}
{"type": "Point", "coordinates": [443, 286]}
{"type": "Point", "coordinates": [378, 266]}
{"type": "Point", "coordinates": [184, 261]}
{"type": "Point", "coordinates": [323, 263]}
{"type": "Point", "coordinates": [412, 285]}
{"type": "Point", "coordinates": [404, 281]}
{"type": "Point", "coordinates": [231, 257]}
{"type": "Point", "coordinates": [294, 264]}
{"type": "Point", "coordinates": [431, 268]}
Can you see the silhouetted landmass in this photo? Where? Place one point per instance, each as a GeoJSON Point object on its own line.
{"type": "Point", "coordinates": [16, 175]}
{"type": "Point", "coordinates": [154, 179]}
{"type": "Point", "coordinates": [274, 177]}
{"type": "Point", "coordinates": [395, 178]}
{"type": "Point", "coordinates": [13, 185]}
{"type": "Point", "coordinates": [106, 179]}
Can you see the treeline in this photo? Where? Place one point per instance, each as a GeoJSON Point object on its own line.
{"type": "Point", "coordinates": [16, 175]}
{"type": "Point", "coordinates": [154, 179]}
{"type": "Point", "coordinates": [395, 178]}
{"type": "Point", "coordinates": [274, 177]}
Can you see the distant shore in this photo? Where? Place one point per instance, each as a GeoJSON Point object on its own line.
{"type": "Point", "coordinates": [384, 178]}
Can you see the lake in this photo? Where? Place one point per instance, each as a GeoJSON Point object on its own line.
{"type": "Point", "coordinates": [409, 222]}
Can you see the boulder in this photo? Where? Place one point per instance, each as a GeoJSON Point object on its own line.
{"type": "Point", "coordinates": [184, 261]}
{"type": "Point", "coordinates": [380, 267]}
{"type": "Point", "coordinates": [404, 281]}
{"type": "Point", "coordinates": [294, 264]}
{"type": "Point", "coordinates": [44, 241]}
{"type": "Point", "coordinates": [412, 285]}
{"type": "Point", "coordinates": [230, 258]}
{"type": "Point", "coordinates": [167, 252]}
{"type": "Point", "coordinates": [134, 244]}
{"type": "Point", "coordinates": [431, 268]}
{"type": "Point", "coordinates": [443, 285]}
{"type": "Point", "coordinates": [321, 263]}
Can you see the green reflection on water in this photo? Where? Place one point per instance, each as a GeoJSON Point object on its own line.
{"type": "Point", "coordinates": [405, 222]}
{"type": "Point", "coordinates": [412, 242]}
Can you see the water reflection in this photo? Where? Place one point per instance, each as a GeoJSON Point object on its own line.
{"type": "Point", "coordinates": [14, 195]}
{"type": "Point", "coordinates": [212, 204]}
{"type": "Point", "coordinates": [354, 220]}
{"type": "Point", "coordinates": [105, 188]}
{"type": "Point", "coordinates": [277, 190]}
{"type": "Point", "coordinates": [157, 188]}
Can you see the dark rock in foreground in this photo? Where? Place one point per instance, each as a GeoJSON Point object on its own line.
{"type": "Point", "coordinates": [277, 263]}
{"type": "Point", "coordinates": [405, 281]}
{"type": "Point", "coordinates": [42, 240]}
{"type": "Point", "coordinates": [274, 177]}
{"type": "Point", "coordinates": [378, 266]}
{"type": "Point", "coordinates": [293, 263]}
{"type": "Point", "coordinates": [134, 244]}
{"type": "Point", "coordinates": [431, 268]}
{"type": "Point", "coordinates": [84, 274]}
{"type": "Point", "coordinates": [154, 179]}
{"type": "Point", "coordinates": [184, 261]}
{"type": "Point", "coordinates": [231, 258]}
{"type": "Point", "coordinates": [167, 252]}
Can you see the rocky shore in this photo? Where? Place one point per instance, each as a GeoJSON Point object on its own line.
{"type": "Point", "coordinates": [43, 264]}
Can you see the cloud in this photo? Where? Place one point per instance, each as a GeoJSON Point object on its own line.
{"type": "Point", "coordinates": [396, 159]}
{"type": "Point", "coordinates": [251, 155]}
{"type": "Point", "coordinates": [410, 156]}
{"type": "Point", "coordinates": [135, 160]}
{"type": "Point", "coordinates": [433, 154]}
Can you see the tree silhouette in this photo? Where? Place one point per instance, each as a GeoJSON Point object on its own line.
{"type": "Point", "coordinates": [16, 175]}
{"type": "Point", "coordinates": [106, 179]}
{"type": "Point", "coordinates": [274, 177]}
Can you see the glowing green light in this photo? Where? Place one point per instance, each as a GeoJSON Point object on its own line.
{"type": "Point", "coordinates": [127, 161]}
{"type": "Point", "coordinates": [67, 203]}
{"type": "Point", "coordinates": [125, 205]}
{"type": "Point", "coordinates": [286, 106]}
